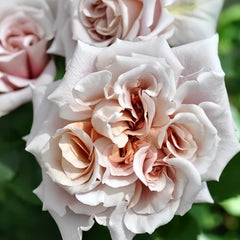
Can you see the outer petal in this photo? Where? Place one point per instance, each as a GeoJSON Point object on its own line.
{"type": "Point", "coordinates": [10, 101]}
{"type": "Point", "coordinates": [42, 129]}
{"type": "Point", "coordinates": [155, 14]}
{"type": "Point", "coordinates": [192, 186]}
{"type": "Point", "coordinates": [113, 218]}
{"type": "Point", "coordinates": [196, 19]}
{"type": "Point", "coordinates": [209, 91]}
{"type": "Point", "coordinates": [148, 223]}
{"type": "Point", "coordinates": [204, 195]}
{"type": "Point", "coordinates": [69, 223]}
{"type": "Point", "coordinates": [229, 144]}
{"type": "Point", "coordinates": [63, 44]}
{"type": "Point", "coordinates": [155, 47]}
{"type": "Point", "coordinates": [57, 200]}
{"type": "Point", "coordinates": [207, 56]}
{"type": "Point", "coordinates": [81, 65]}
{"type": "Point", "coordinates": [106, 195]}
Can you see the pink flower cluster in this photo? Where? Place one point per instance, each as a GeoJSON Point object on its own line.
{"type": "Point", "coordinates": [141, 119]}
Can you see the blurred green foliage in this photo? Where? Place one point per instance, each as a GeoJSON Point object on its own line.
{"type": "Point", "coordinates": [21, 217]}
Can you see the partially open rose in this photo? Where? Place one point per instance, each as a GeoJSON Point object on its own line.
{"type": "Point", "coordinates": [132, 133]}
{"type": "Point", "coordinates": [101, 23]}
{"type": "Point", "coordinates": [25, 30]}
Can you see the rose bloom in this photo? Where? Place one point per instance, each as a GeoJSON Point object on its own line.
{"type": "Point", "coordinates": [131, 135]}
{"type": "Point", "coordinates": [26, 27]}
{"type": "Point", "coordinates": [101, 22]}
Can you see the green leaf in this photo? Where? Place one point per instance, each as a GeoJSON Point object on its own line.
{"type": "Point", "coordinates": [236, 117]}
{"type": "Point", "coordinates": [204, 236]}
{"type": "Point", "coordinates": [20, 221]}
{"type": "Point", "coordinates": [60, 65]}
{"type": "Point", "coordinates": [6, 173]}
{"type": "Point", "coordinates": [229, 183]}
{"type": "Point", "coordinates": [206, 216]}
{"type": "Point", "coordinates": [179, 228]}
{"type": "Point", "coordinates": [27, 179]}
{"type": "Point", "coordinates": [232, 206]}
{"type": "Point", "coordinates": [229, 15]}
{"type": "Point", "coordinates": [97, 232]}
{"type": "Point", "coordinates": [229, 42]}
{"type": "Point", "coordinates": [16, 124]}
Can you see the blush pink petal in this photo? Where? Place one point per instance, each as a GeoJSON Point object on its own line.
{"type": "Point", "coordinates": [204, 195]}
{"type": "Point", "coordinates": [81, 65]}
{"type": "Point", "coordinates": [71, 162]}
{"type": "Point", "coordinates": [30, 66]}
{"type": "Point", "coordinates": [210, 87]}
{"type": "Point", "coordinates": [207, 52]}
{"type": "Point", "coordinates": [106, 195]}
{"type": "Point", "coordinates": [155, 47]}
{"type": "Point", "coordinates": [105, 113]}
{"type": "Point", "coordinates": [70, 224]}
{"type": "Point", "coordinates": [94, 84]}
{"type": "Point", "coordinates": [19, 59]}
{"type": "Point", "coordinates": [116, 174]}
{"type": "Point", "coordinates": [158, 24]}
{"type": "Point", "coordinates": [12, 100]}
{"type": "Point", "coordinates": [41, 130]}
{"type": "Point", "coordinates": [148, 223]}
{"type": "Point", "coordinates": [113, 218]}
{"type": "Point", "coordinates": [151, 78]}
{"type": "Point", "coordinates": [131, 17]}
{"type": "Point", "coordinates": [38, 63]}
{"type": "Point", "coordinates": [152, 202]}
{"type": "Point", "coordinates": [228, 145]}
{"type": "Point", "coordinates": [54, 201]}
{"type": "Point", "coordinates": [84, 209]}
{"type": "Point", "coordinates": [189, 177]}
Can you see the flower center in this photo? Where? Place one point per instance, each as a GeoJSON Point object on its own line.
{"type": "Point", "coordinates": [20, 32]}
{"type": "Point", "coordinates": [100, 19]}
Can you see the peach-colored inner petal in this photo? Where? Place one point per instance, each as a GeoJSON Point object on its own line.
{"type": "Point", "coordinates": [77, 162]}
{"type": "Point", "coordinates": [180, 142]}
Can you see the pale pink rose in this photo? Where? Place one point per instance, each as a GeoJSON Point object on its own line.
{"type": "Point", "coordinates": [132, 133]}
{"type": "Point", "coordinates": [100, 22]}
{"type": "Point", "coordinates": [26, 27]}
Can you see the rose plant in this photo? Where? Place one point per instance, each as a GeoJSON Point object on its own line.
{"type": "Point", "coordinates": [131, 135]}
{"type": "Point", "coordinates": [26, 28]}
